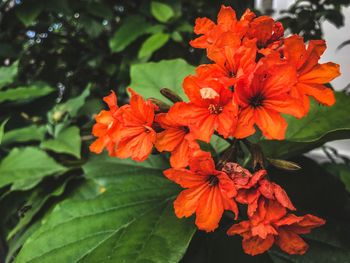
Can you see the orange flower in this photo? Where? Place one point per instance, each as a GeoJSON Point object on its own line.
{"type": "Point", "coordinates": [231, 63]}
{"type": "Point", "coordinates": [211, 108]}
{"type": "Point", "coordinates": [311, 74]}
{"type": "Point", "coordinates": [175, 138]}
{"type": "Point", "coordinates": [265, 30]}
{"type": "Point", "coordinates": [209, 192]}
{"type": "Point", "coordinates": [272, 225]}
{"type": "Point", "coordinates": [136, 137]}
{"type": "Point", "coordinates": [252, 187]}
{"type": "Point", "coordinates": [263, 97]}
{"type": "Point", "coordinates": [226, 31]}
{"type": "Point", "coordinates": [106, 126]}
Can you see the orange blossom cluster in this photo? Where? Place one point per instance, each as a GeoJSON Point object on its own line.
{"type": "Point", "coordinates": [256, 75]}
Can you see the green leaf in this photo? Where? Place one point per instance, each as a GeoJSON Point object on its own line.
{"type": "Point", "coordinates": [132, 221]}
{"type": "Point", "coordinates": [67, 141]}
{"type": "Point", "coordinates": [152, 44]}
{"type": "Point", "coordinates": [25, 93]}
{"type": "Point", "coordinates": [219, 144]}
{"type": "Point", "coordinates": [132, 28]}
{"type": "Point", "coordinates": [36, 201]}
{"type": "Point", "coordinates": [320, 121]}
{"type": "Point", "coordinates": [323, 124]}
{"type": "Point", "coordinates": [25, 167]}
{"type": "Point", "coordinates": [176, 36]}
{"type": "Point", "coordinates": [25, 134]}
{"type": "Point", "coordinates": [162, 12]}
{"type": "Point", "coordinates": [28, 11]}
{"type": "Point", "coordinates": [2, 127]}
{"type": "Point", "coordinates": [106, 170]}
{"type": "Point", "coordinates": [72, 106]}
{"type": "Point", "coordinates": [8, 74]}
{"type": "Point", "coordinates": [148, 78]}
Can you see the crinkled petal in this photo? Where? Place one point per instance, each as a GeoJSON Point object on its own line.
{"type": "Point", "coordinates": [291, 243]}
{"type": "Point", "coordinates": [256, 245]}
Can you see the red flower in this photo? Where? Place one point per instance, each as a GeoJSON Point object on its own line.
{"type": "Point", "coordinates": [106, 127]}
{"type": "Point", "coordinates": [175, 138]}
{"type": "Point", "coordinates": [265, 30]}
{"type": "Point", "coordinates": [231, 63]}
{"type": "Point", "coordinates": [136, 137]}
{"type": "Point", "coordinates": [211, 108]}
{"type": "Point", "coordinates": [263, 97]}
{"type": "Point", "coordinates": [271, 224]}
{"type": "Point", "coordinates": [252, 187]}
{"type": "Point", "coordinates": [209, 192]}
{"type": "Point", "coordinates": [225, 32]}
{"type": "Point", "coordinates": [311, 74]}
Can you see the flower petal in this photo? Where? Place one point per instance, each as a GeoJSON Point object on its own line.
{"type": "Point", "coordinates": [291, 243]}
{"type": "Point", "coordinates": [256, 245]}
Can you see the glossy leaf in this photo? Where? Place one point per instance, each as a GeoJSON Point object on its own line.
{"type": "Point", "coordinates": [132, 221]}
{"type": "Point", "coordinates": [323, 124]}
{"type": "Point", "coordinates": [148, 78]}
{"type": "Point", "coordinates": [320, 121]}
{"type": "Point", "coordinates": [23, 168]}
{"type": "Point", "coordinates": [131, 28]}
{"type": "Point", "coordinates": [25, 134]}
{"type": "Point", "coordinates": [67, 141]}
{"type": "Point", "coordinates": [35, 202]}
{"type": "Point", "coordinates": [25, 93]}
{"type": "Point", "coordinates": [152, 44]}
{"type": "Point", "coordinates": [161, 11]}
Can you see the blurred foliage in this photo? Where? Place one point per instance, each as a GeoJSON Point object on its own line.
{"type": "Point", "coordinates": [306, 17]}
{"type": "Point", "coordinates": [58, 59]}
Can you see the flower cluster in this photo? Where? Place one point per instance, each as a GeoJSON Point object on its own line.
{"type": "Point", "coordinates": [256, 75]}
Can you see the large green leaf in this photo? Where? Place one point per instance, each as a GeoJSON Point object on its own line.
{"type": "Point", "coordinates": [148, 78]}
{"type": "Point", "coordinates": [322, 124]}
{"type": "Point", "coordinates": [25, 93]}
{"type": "Point", "coordinates": [161, 11]}
{"type": "Point", "coordinates": [132, 221]}
{"type": "Point", "coordinates": [36, 201]}
{"type": "Point", "coordinates": [152, 44]}
{"type": "Point", "coordinates": [8, 74]}
{"type": "Point", "coordinates": [25, 167]}
{"type": "Point", "coordinates": [320, 121]}
{"type": "Point", "coordinates": [67, 141]}
{"type": "Point", "coordinates": [132, 28]}
{"type": "Point", "coordinates": [25, 134]}
{"type": "Point", "coordinates": [85, 190]}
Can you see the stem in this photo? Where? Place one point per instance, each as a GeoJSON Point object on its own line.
{"type": "Point", "coordinates": [229, 155]}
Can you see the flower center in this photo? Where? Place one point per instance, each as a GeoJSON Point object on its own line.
{"type": "Point", "coordinates": [215, 109]}
{"type": "Point", "coordinates": [213, 180]}
{"type": "Point", "coordinates": [257, 100]}
{"type": "Point", "coordinates": [186, 129]}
